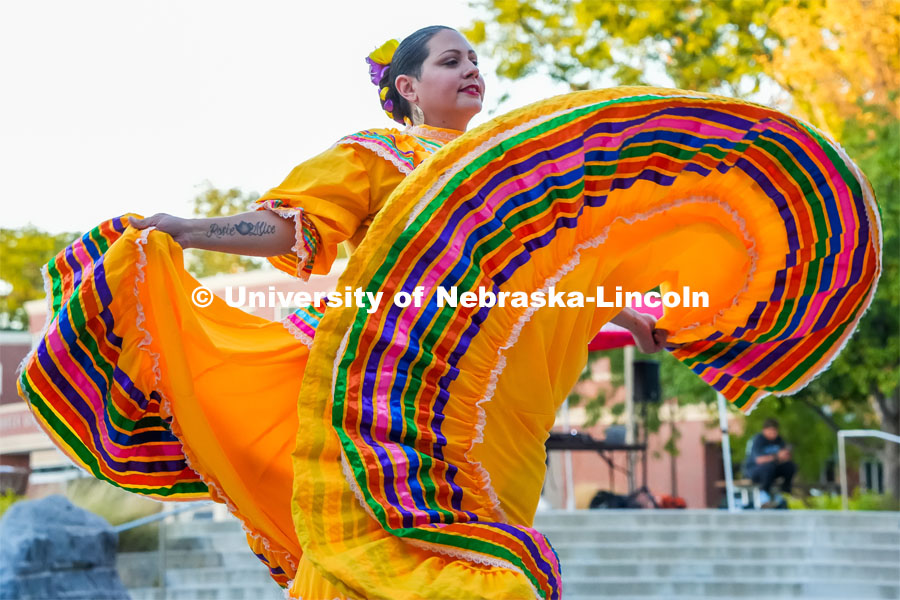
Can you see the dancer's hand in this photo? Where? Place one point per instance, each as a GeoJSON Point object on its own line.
{"type": "Point", "coordinates": [178, 228]}
{"type": "Point", "coordinates": [642, 326]}
{"type": "Point", "coordinates": [647, 338]}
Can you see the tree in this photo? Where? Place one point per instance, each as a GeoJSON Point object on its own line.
{"type": "Point", "coordinates": [823, 54]}
{"type": "Point", "coordinates": [22, 254]}
{"type": "Point", "coordinates": [213, 202]}
{"type": "Point", "coordinates": [836, 56]}
{"type": "Point", "coordinates": [708, 46]}
{"type": "Point", "coordinates": [836, 62]}
{"type": "Point", "coordinates": [25, 250]}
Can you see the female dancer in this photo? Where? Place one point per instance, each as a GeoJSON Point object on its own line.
{"type": "Point", "coordinates": [416, 447]}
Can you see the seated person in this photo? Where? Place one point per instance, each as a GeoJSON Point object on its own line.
{"type": "Point", "coordinates": [769, 458]}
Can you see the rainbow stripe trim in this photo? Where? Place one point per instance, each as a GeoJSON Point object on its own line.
{"type": "Point", "coordinates": [99, 415]}
{"type": "Point", "coordinates": [306, 240]}
{"type": "Point", "coordinates": [302, 323]}
{"type": "Point", "coordinates": [385, 145]}
{"type": "Point", "coordinates": [505, 203]}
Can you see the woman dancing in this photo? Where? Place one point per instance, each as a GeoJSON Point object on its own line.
{"type": "Point", "coordinates": [399, 454]}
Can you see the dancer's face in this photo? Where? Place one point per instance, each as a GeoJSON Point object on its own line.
{"type": "Point", "coordinates": [450, 90]}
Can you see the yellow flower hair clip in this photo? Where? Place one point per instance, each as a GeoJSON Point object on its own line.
{"type": "Point", "coordinates": [380, 59]}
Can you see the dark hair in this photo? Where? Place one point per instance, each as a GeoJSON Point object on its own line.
{"type": "Point", "coordinates": [407, 60]}
{"type": "Point", "coordinates": [770, 423]}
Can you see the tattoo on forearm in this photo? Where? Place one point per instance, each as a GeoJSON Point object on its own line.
{"type": "Point", "coordinates": [243, 228]}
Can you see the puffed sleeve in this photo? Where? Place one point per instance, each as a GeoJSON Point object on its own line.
{"type": "Point", "coordinates": [328, 197]}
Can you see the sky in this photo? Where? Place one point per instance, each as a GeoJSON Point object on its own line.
{"type": "Point", "coordinates": [109, 107]}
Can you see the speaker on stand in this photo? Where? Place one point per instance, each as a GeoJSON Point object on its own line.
{"type": "Point", "coordinates": [646, 391]}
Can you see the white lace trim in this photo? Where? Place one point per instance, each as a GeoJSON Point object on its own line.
{"type": "Point", "coordinates": [385, 154]}
{"type": "Point", "coordinates": [494, 378]}
{"type": "Point", "coordinates": [354, 487]}
{"type": "Point", "coordinates": [296, 332]}
{"type": "Point", "coordinates": [337, 361]}
{"type": "Point", "coordinates": [553, 280]}
{"type": "Point", "coordinates": [157, 374]}
{"type": "Point", "coordinates": [432, 134]}
{"type": "Point", "coordinates": [287, 594]}
{"type": "Point", "coordinates": [742, 226]}
{"type": "Point", "coordinates": [299, 247]}
{"type": "Point", "coordinates": [475, 557]}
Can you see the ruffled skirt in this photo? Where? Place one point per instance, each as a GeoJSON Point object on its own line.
{"type": "Point", "coordinates": [403, 450]}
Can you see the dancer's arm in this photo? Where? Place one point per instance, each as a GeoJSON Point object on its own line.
{"type": "Point", "coordinates": [256, 233]}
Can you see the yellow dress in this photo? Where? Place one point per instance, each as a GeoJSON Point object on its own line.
{"type": "Point", "coordinates": [409, 462]}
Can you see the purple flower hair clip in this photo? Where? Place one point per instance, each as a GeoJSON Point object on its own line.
{"type": "Point", "coordinates": [376, 71]}
{"type": "Point", "coordinates": [379, 62]}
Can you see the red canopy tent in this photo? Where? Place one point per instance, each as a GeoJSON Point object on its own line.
{"type": "Point", "coordinates": [612, 336]}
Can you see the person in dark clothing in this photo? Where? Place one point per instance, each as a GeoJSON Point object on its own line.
{"type": "Point", "coordinates": [769, 458]}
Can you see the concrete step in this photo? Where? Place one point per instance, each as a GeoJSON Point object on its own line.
{"type": "Point", "coordinates": [760, 570]}
{"type": "Point", "coordinates": [622, 554]}
{"type": "Point", "coordinates": [711, 517]}
{"type": "Point", "coordinates": [191, 560]}
{"type": "Point", "coordinates": [185, 559]}
{"type": "Point", "coordinates": [626, 536]}
{"type": "Point", "coordinates": [731, 588]}
{"type": "Point", "coordinates": [195, 592]}
{"type": "Point", "coordinates": [218, 576]}
{"type": "Point", "coordinates": [141, 569]}
{"type": "Point", "coordinates": [786, 552]}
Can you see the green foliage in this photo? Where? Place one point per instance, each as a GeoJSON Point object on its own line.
{"type": "Point", "coordinates": [858, 501]}
{"type": "Point", "coordinates": [213, 202]}
{"type": "Point", "coordinates": [22, 254]}
{"type": "Point", "coordinates": [7, 499]}
{"type": "Point", "coordinates": [118, 507]}
{"type": "Point", "coordinates": [701, 45]}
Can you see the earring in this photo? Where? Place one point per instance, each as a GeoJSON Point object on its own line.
{"type": "Point", "coordinates": [418, 117]}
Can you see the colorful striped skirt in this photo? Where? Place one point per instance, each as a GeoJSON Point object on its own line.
{"type": "Point", "coordinates": [403, 450]}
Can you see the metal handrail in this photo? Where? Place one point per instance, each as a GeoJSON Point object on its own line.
{"type": "Point", "coordinates": [160, 516]}
{"type": "Point", "coordinates": [161, 535]}
{"type": "Point", "coordinates": [842, 454]}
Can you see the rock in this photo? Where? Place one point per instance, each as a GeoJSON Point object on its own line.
{"type": "Point", "coordinates": [54, 550]}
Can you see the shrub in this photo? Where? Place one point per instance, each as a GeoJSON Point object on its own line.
{"type": "Point", "coordinates": [858, 501]}
{"type": "Point", "coordinates": [7, 499]}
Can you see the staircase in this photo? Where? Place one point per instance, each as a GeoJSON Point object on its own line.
{"type": "Point", "coordinates": [710, 554]}
{"type": "Point", "coordinates": [622, 554]}
{"type": "Point", "coordinates": [204, 560]}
